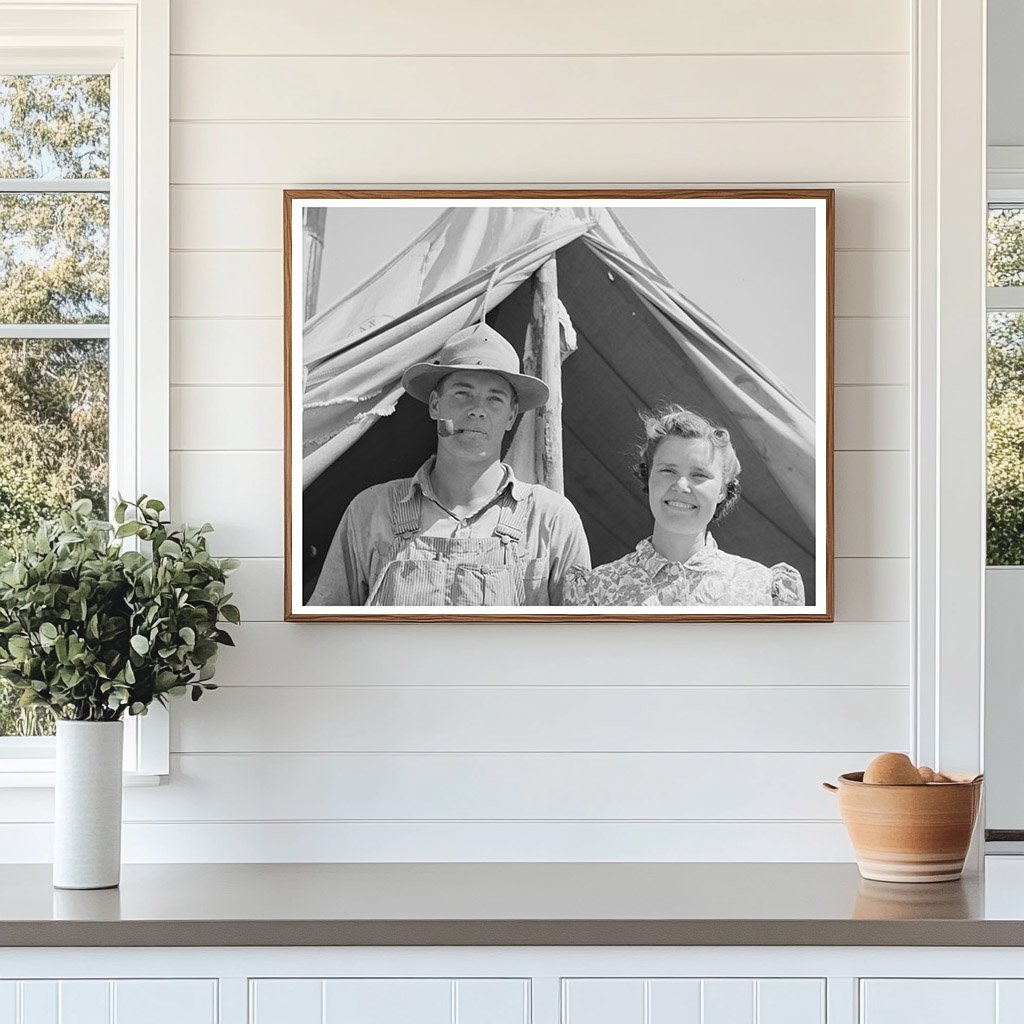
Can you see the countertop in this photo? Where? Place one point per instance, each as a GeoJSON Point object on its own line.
{"type": "Point", "coordinates": [560, 904]}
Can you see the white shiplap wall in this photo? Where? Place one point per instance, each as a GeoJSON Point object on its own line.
{"type": "Point", "coordinates": [660, 741]}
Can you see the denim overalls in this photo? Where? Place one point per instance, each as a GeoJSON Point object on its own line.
{"type": "Point", "coordinates": [460, 571]}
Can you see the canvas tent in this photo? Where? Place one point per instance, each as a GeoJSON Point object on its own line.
{"type": "Point", "coordinates": [631, 341]}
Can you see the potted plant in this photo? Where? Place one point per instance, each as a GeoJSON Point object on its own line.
{"type": "Point", "coordinates": [93, 631]}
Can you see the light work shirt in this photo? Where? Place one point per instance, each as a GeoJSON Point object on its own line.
{"type": "Point", "coordinates": [552, 540]}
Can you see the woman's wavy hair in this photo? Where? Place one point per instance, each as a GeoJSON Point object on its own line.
{"type": "Point", "coordinates": [677, 421]}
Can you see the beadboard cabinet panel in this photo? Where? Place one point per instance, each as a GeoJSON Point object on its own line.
{"type": "Point", "coordinates": [389, 1001]}
{"type": "Point", "coordinates": [86, 1002]}
{"type": "Point", "coordinates": [39, 1002]}
{"type": "Point", "coordinates": [147, 1001]}
{"type": "Point", "coordinates": [1009, 1001]}
{"type": "Point", "coordinates": [286, 1001]}
{"type": "Point", "coordinates": [729, 1001]}
{"type": "Point", "coordinates": [603, 1001]}
{"type": "Point", "coordinates": [102, 1001]}
{"type": "Point", "coordinates": [790, 1001]}
{"type": "Point", "coordinates": [493, 1001]}
{"type": "Point", "coordinates": [693, 1001]}
{"type": "Point", "coordinates": [674, 1001]}
{"type": "Point", "coordinates": [953, 1001]}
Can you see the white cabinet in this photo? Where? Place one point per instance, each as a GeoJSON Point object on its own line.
{"type": "Point", "coordinates": [103, 1001]}
{"type": "Point", "coordinates": [693, 1001]}
{"type": "Point", "coordinates": [938, 1001]}
{"type": "Point", "coordinates": [389, 1001]}
{"type": "Point", "coordinates": [513, 985]}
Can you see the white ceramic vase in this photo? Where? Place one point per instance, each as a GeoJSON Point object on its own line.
{"type": "Point", "coordinates": [87, 805]}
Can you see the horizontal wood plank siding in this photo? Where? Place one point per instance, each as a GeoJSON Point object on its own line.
{"type": "Point", "coordinates": [459, 26]}
{"type": "Point", "coordinates": [674, 716]}
{"type": "Point", "coordinates": [574, 654]}
{"type": "Point", "coordinates": [503, 786]}
{"type": "Point", "coordinates": [430, 742]}
{"type": "Point", "coordinates": [727, 152]}
{"type": "Point", "coordinates": [212, 217]}
{"type": "Point", "coordinates": [477, 88]}
{"type": "Point", "coordinates": [160, 842]}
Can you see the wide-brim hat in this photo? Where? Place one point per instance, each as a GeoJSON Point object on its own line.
{"type": "Point", "coordinates": [479, 347]}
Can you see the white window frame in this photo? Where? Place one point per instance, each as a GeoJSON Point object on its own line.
{"type": "Point", "coordinates": [949, 395]}
{"type": "Point", "coordinates": [130, 41]}
{"type": "Point", "coordinates": [1004, 716]}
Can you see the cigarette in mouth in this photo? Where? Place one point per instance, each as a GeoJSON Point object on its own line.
{"type": "Point", "coordinates": [445, 428]}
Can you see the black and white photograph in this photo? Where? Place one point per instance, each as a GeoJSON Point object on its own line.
{"type": "Point", "coordinates": [558, 405]}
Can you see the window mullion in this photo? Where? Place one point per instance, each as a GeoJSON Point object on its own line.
{"type": "Point", "coordinates": [54, 185]}
{"type": "Point", "coordinates": [1005, 299]}
{"type": "Point", "coordinates": [62, 332]}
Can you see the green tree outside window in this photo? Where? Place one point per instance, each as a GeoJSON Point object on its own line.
{"type": "Point", "coordinates": [1005, 478]}
{"type": "Point", "coordinates": [54, 271]}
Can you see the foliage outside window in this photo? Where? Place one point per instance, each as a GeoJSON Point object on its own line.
{"type": "Point", "coordinates": [54, 308]}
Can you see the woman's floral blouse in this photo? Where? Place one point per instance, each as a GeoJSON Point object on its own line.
{"type": "Point", "coordinates": [711, 577]}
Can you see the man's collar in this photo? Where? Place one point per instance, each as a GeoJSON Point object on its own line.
{"type": "Point", "coordinates": [422, 481]}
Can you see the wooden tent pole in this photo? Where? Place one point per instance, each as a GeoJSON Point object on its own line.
{"type": "Point", "coordinates": [314, 221]}
{"type": "Point", "coordinates": [547, 344]}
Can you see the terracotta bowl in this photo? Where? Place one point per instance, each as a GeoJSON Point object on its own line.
{"type": "Point", "coordinates": [909, 833]}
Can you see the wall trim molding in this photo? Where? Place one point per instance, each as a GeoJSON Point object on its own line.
{"type": "Point", "coordinates": [949, 326]}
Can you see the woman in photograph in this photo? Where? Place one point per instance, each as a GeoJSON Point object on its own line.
{"type": "Point", "coordinates": [689, 471]}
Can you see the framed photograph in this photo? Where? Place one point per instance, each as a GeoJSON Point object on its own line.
{"type": "Point", "coordinates": [543, 405]}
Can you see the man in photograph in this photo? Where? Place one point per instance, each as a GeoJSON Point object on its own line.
{"type": "Point", "coordinates": [463, 531]}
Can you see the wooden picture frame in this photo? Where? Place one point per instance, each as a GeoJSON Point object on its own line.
{"type": "Point", "coordinates": [620, 301]}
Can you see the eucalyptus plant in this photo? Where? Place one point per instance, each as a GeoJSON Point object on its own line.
{"type": "Point", "coordinates": [91, 629]}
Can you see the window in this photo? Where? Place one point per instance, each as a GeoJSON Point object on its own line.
{"type": "Point", "coordinates": [84, 125]}
{"type": "Point", "coordinates": [1005, 477]}
{"type": "Point", "coordinates": [54, 309]}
